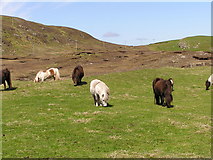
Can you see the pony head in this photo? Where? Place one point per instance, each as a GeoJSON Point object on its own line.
{"type": "Point", "coordinates": [39, 76]}
{"type": "Point", "coordinates": [75, 80]}
{"type": "Point", "coordinates": [36, 79]}
{"type": "Point", "coordinates": [207, 85]}
{"type": "Point", "coordinates": [172, 83]}
{"type": "Point", "coordinates": [104, 97]}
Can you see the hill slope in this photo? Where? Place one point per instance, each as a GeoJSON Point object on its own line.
{"type": "Point", "coordinates": [196, 43]}
{"type": "Point", "coordinates": [30, 38]}
{"type": "Point", "coordinates": [25, 37]}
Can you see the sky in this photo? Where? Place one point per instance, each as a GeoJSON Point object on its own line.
{"type": "Point", "coordinates": [127, 23]}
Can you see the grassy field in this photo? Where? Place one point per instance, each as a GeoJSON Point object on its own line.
{"type": "Point", "coordinates": [196, 43]}
{"type": "Point", "coordinates": [56, 119]}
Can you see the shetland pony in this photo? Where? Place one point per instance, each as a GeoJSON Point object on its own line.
{"type": "Point", "coordinates": [5, 77]}
{"type": "Point", "coordinates": [43, 75]}
{"type": "Point", "coordinates": [163, 90]}
{"type": "Point", "coordinates": [209, 82]}
{"type": "Point", "coordinates": [100, 92]}
{"type": "Point", "coordinates": [77, 75]}
{"type": "Point", "coordinates": [157, 79]}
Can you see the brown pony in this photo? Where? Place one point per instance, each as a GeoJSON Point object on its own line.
{"type": "Point", "coordinates": [5, 77]}
{"type": "Point", "coordinates": [77, 75]}
{"type": "Point", "coordinates": [163, 90]}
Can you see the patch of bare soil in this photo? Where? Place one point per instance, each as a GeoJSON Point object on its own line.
{"type": "Point", "coordinates": [97, 62]}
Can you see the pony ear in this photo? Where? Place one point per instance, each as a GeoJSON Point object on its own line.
{"type": "Point", "coordinates": [171, 80]}
{"type": "Point", "coordinates": [108, 92]}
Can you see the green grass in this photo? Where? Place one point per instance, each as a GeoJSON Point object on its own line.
{"type": "Point", "coordinates": [196, 43]}
{"type": "Point", "coordinates": [56, 119]}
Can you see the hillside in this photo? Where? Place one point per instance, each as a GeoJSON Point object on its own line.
{"type": "Point", "coordinates": [21, 37]}
{"type": "Point", "coordinates": [29, 47]}
{"type": "Point", "coordinates": [196, 43]}
{"type": "Point", "coordinates": [25, 37]}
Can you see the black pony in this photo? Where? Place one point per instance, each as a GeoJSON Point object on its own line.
{"type": "Point", "coordinates": [5, 77]}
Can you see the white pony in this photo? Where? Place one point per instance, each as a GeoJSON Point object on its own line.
{"type": "Point", "coordinates": [42, 75]}
{"type": "Point", "coordinates": [100, 92]}
{"type": "Point", "coordinates": [209, 82]}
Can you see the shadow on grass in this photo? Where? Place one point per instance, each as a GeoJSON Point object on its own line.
{"type": "Point", "coordinates": [164, 105]}
{"type": "Point", "coordinates": [109, 105]}
{"type": "Point", "coordinates": [9, 89]}
{"type": "Point", "coordinates": [171, 106]}
{"type": "Point", "coordinates": [81, 84]}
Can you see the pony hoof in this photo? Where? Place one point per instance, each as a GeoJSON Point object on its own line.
{"type": "Point", "coordinates": [170, 106]}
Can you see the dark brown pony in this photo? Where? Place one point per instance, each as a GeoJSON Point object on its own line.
{"type": "Point", "coordinates": [77, 75]}
{"type": "Point", "coordinates": [163, 91]}
{"type": "Point", "coordinates": [5, 77]}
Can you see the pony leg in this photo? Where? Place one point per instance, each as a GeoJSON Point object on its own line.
{"type": "Point", "coordinates": [9, 83]}
{"type": "Point", "coordinates": [98, 100]}
{"type": "Point", "coordinates": [157, 99]}
{"type": "Point", "coordinates": [162, 100]}
{"type": "Point", "coordinates": [207, 85]}
{"type": "Point", "coordinates": [57, 76]}
{"type": "Point", "coordinates": [95, 100]}
{"type": "Point", "coordinates": [169, 99]}
{"type": "Point", "coordinates": [78, 81]}
{"type": "Point", "coordinates": [4, 85]}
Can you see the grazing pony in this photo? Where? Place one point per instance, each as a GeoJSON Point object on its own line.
{"type": "Point", "coordinates": [163, 90]}
{"type": "Point", "coordinates": [100, 92]}
{"type": "Point", "coordinates": [209, 82]}
{"type": "Point", "coordinates": [77, 75]}
{"type": "Point", "coordinates": [5, 77]}
{"type": "Point", "coordinates": [42, 75]}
